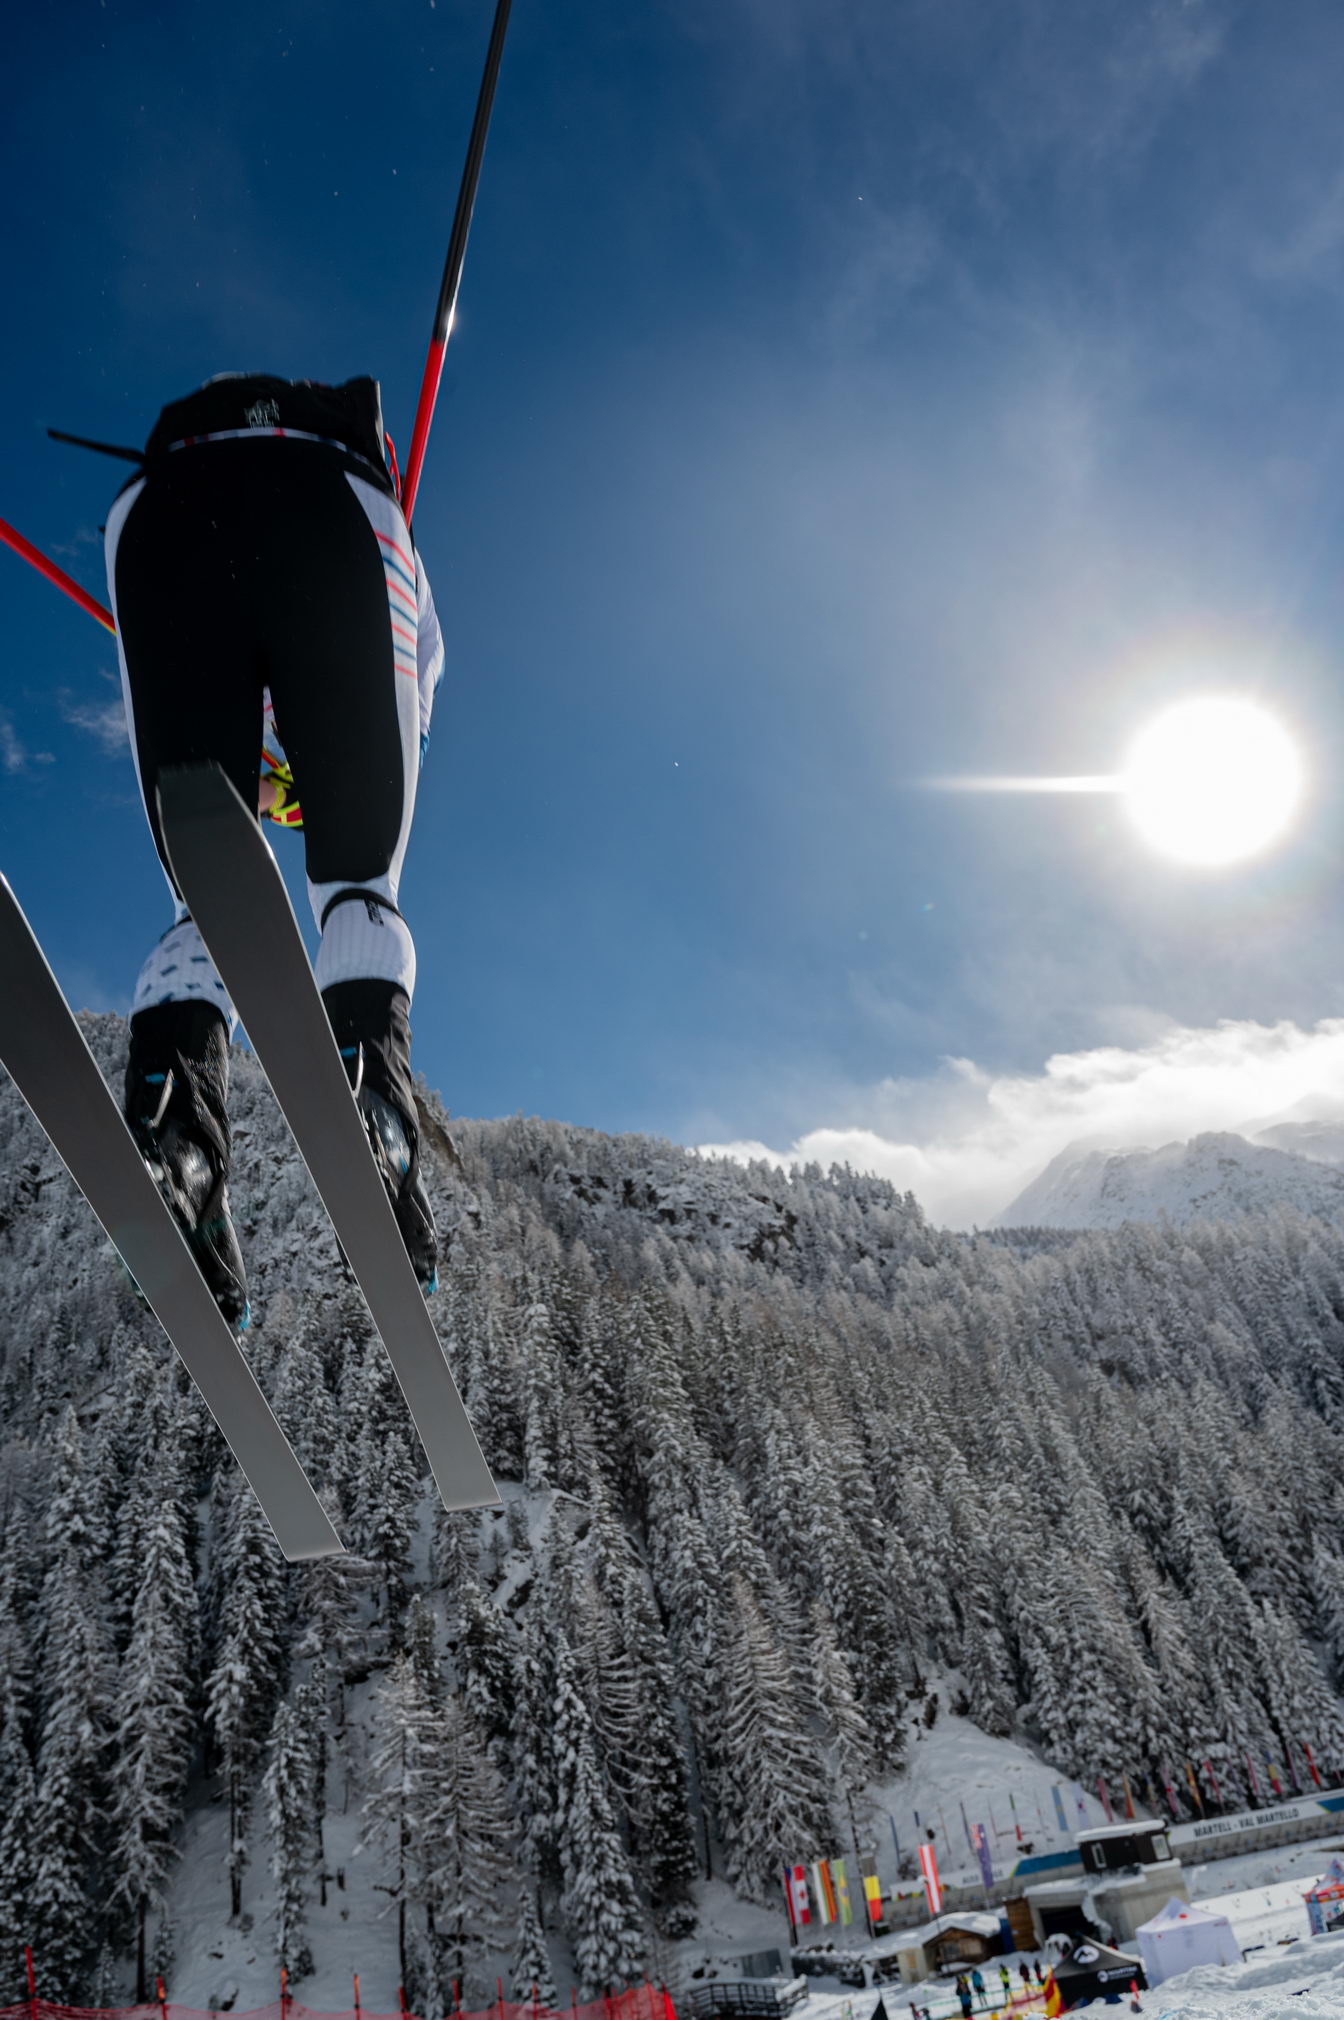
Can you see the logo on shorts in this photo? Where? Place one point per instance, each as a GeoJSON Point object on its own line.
{"type": "Point", "coordinates": [262, 414]}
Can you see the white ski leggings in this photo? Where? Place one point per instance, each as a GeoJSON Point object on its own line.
{"type": "Point", "coordinates": [240, 566]}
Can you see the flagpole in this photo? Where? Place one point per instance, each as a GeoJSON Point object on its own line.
{"type": "Point", "coordinates": [452, 266]}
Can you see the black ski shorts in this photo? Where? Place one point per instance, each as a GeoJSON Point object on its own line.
{"type": "Point", "coordinates": [255, 563]}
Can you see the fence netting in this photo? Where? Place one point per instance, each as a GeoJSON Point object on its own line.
{"type": "Point", "coordinates": [640, 2002]}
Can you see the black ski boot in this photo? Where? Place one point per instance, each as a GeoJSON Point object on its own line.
{"type": "Point", "coordinates": [177, 1088]}
{"type": "Point", "coordinates": [371, 1021]}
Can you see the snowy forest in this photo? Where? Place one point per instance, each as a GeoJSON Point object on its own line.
{"type": "Point", "coordinates": [776, 1455]}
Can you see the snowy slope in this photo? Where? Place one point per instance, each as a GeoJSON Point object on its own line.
{"type": "Point", "coordinates": [1212, 1177]}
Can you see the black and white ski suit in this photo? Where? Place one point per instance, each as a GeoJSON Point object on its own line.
{"type": "Point", "coordinates": [266, 588]}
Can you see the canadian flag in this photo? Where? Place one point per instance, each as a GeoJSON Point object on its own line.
{"type": "Point", "coordinates": [928, 1865]}
{"type": "Point", "coordinates": [802, 1907]}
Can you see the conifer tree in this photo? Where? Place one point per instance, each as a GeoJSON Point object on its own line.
{"type": "Point", "coordinates": [774, 1800]}
{"type": "Point", "coordinates": [599, 1904]}
{"type": "Point", "coordinates": [290, 1792]}
{"type": "Point", "coordinates": [469, 1883]}
{"type": "Point", "coordinates": [241, 1689]}
{"type": "Point", "coordinates": [152, 1727]}
{"type": "Point", "coordinates": [530, 1970]}
{"type": "Point", "coordinates": [18, 1830]}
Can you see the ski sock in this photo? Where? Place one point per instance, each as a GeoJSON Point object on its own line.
{"type": "Point", "coordinates": [364, 937]}
{"type": "Point", "coordinates": [178, 969]}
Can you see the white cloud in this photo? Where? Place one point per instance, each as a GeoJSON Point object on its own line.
{"type": "Point", "coordinates": [105, 723]}
{"type": "Point", "coordinates": [966, 1141]}
{"type": "Point", "coordinates": [14, 755]}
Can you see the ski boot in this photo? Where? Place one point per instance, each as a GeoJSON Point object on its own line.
{"type": "Point", "coordinates": [177, 1085]}
{"type": "Point", "coordinates": [371, 1023]}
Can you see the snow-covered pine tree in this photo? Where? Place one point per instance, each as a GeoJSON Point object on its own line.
{"type": "Point", "coordinates": [470, 1885]}
{"type": "Point", "coordinates": [290, 1793]}
{"type": "Point", "coordinates": [773, 1797]}
{"type": "Point", "coordinates": [599, 1905]}
{"type": "Point", "coordinates": [395, 1806]}
{"type": "Point", "coordinates": [18, 1830]}
{"type": "Point", "coordinates": [489, 1669]}
{"type": "Point", "coordinates": [530, 1971]}
{"type": "Point", "coordinates": [152, 1726]}
{"type": "Point", "coordinates": [245, 1679]}
{"type": "Point", "coordinates": [66, 1901]}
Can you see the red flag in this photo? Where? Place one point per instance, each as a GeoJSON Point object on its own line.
{"type": "Point", "coordinates": [928, 1866]}
{"type": "Point", "coordinates": [1310, 1763]}
{"type": "Point", "coordinates": [1213, 1783]}
{"type": "Point", "coordinates": [1105, 1800]}
{"type": "Point", "coordinates": [802, 1907]}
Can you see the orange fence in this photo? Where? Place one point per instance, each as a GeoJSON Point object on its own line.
{"type": "Point", "coordinates": [641, 2002]}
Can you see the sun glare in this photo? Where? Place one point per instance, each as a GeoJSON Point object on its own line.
{"type": "Point", "coordinates": [1212, 781]}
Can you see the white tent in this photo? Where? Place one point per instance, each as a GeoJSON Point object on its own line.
{"type": "Point", "coordinates": [1183, 1935]}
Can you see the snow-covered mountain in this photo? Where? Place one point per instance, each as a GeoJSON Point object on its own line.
{"type": "Point", "coordinates": [782, 1465]}
{"type": "Point", "coordinates": [1217, 1176]}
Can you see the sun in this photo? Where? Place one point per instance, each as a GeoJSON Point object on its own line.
{"type": "Point", "coordinates": [1212, 780]}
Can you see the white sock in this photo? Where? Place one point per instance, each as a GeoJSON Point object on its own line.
{"type": "Point", "coordinates": [179, 970]}
{"type": "Point", "coordinates": [363, 941]}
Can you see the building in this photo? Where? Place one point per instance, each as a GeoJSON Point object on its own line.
{"type": "Point", "coordinates": [1128, 1874]}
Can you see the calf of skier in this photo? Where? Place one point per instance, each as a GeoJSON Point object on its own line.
{"type": "Point", "coordinates": [269, 600]}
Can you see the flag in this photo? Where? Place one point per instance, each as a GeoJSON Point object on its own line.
{"type": "Point", "coordinates": [1171, 1796]}
{"type": "Point", "coordinates": [928, 1866]}
{"type": "Point", "coordinates": [1213, 1783]}
{"type": "Point", "coordinates": [1129, 1800]}
{"type": "Point", "coordinates": [1059, 1808]}
{"type": "Point", "coordinates": [821, 1877]}
{"type": "Point", "coordinates": [1274, 1781]}
{"type": "Point", "coordinates": [802, 1907]}
{"type": "Point", "coordinates": [1105, 1800]}
{"type": "Point", "coordinates": [1255, 1779]}
{"type": "Point", "coordinates": [841, 1878]}
{"type": "Point", "coordinates": [982, 1852]}
{"type": "Point", "coordinates": [1310, 1762]}
{"type": "Point", "coordinates": [1016, 1825]}
{"type": "Point", "coordinates": [872, 1892]}
{"type": "Point", "coordinates": [1054, 1998]}
{"type": "Point", "coordinates": [1194, 1788]}
{"type": "Point", "coordinates": [788, 1902]}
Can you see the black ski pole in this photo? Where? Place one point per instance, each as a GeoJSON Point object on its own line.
{"type": "Point", "coordinates": [452, 269]}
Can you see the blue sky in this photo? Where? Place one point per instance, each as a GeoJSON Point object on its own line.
{"type": "Point", "coordinates": [843, 395]}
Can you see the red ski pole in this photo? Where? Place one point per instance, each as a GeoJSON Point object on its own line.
{"type": "Point", "coordinates": [452, 267]}
{"type": "Point", "coordinates": [57, 575]}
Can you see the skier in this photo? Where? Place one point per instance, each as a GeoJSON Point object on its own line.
{"type": "Point", "coordinates": [265, 585]}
